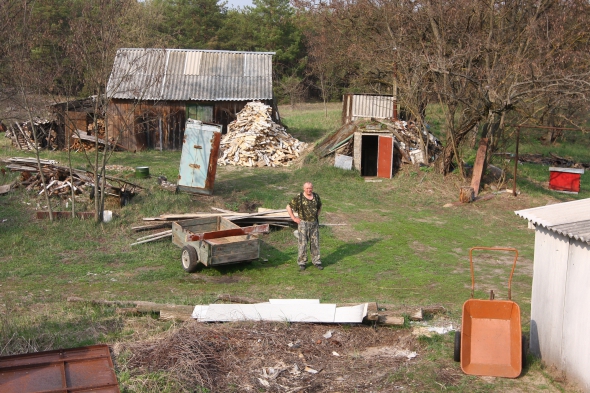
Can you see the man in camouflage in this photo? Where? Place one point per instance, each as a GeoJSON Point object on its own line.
{"type": "Point", "coordinates": [308, 205]}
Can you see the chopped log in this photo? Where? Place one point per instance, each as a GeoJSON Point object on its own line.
{"type": "Point", "coordinates": [466, 195]}
{"type": "Point", "coordinates": [433, 310]}
{"type": "Point", "coordinates": [417, 315]}
{"type": "Point", "coordinates": [372, 312]}
{"type": "Point", "coordinates": [389, 320]}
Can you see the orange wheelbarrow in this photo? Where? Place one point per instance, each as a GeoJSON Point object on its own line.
{"type": "Point", "coordinates": [490, 341]}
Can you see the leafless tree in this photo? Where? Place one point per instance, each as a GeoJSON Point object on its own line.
{"type": "Point", "coordinates": [486, 62]}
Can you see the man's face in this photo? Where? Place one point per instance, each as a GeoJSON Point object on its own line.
{"type": "Point", "coordinates": [307, 189]}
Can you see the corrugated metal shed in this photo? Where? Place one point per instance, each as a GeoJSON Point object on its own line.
{"type": "Point", "coordinates": [191, 75]}
{"type": "Point", "coordinates": [571, 219]}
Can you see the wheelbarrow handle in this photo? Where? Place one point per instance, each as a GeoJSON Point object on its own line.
{"type": "Point", "coordinates": [493, 249]}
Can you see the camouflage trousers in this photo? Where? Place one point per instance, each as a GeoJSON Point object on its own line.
{"type": "Point", "coordinates": [309, 234]}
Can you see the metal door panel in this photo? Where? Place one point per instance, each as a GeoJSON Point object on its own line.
{"type": "Point", "coordinates": [198, 162]}
{"type": "Point", "coordinates": [385, 157]}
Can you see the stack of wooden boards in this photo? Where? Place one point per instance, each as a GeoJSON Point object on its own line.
{"type": "Point", "coordinates": [253, 139]}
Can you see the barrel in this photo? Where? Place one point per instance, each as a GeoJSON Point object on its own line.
{"type": "Point", "coordinates": [142, 172]}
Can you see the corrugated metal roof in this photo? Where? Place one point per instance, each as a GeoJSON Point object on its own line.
{"type": "Point", "coordinates": [191, 75]}
{"type": "Point", "coordinates": [571, 219]}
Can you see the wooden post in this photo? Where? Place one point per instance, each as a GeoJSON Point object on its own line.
{"type": "Point", "coordinates": [516, 160]}
{"type": "Point", "coordinates": [478, 167]}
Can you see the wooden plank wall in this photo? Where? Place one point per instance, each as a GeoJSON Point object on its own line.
{"type": "Point", "coordinates": [137, 125]}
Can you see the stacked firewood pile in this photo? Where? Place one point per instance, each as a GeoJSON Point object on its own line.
{"type": "Point", "coordinates": [59, 182]}
{"type": "Point", "coordinates": [253, 139]}
{"type": "Point", "coordinates": [87, 140]}
{"type": "Point", "coordinates": [22, 136]}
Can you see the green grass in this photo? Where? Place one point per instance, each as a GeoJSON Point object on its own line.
{"type": "Point", "coordinates": [401, 247]}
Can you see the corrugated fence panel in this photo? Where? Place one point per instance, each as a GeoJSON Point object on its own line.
{"type": "Point", "coordinates": [380, 107]}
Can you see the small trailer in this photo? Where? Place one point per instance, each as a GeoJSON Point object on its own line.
{"type": "Point", "coordinates": [214, 241]}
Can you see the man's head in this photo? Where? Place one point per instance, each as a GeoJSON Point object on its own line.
{"type": "Point", "coordinates": [307, 188]}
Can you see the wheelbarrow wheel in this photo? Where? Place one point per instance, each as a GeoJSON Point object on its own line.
{"type": "Point", "coordinates": [189, 258]}
{"type": "Point", "coordinates": [457, 352]}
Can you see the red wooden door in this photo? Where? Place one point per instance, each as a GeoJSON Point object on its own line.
{"type": "Point", "coordinates": [385, 157]}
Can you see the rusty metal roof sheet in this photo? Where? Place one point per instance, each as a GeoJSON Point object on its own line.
{"type": "Point", "coordinates": [81, 369]}
{"type": "Point", "coordinates": [191, 75]}
{"type": "Point", "coordinates": [571, 219]}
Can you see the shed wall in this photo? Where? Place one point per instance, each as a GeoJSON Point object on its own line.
{"type": "Point", "coordinates": [576, 326]}
{"type": "Point", "coordinates": [548, 293]}
{"type": "Point", "coordinates": [559, 326]}
{"type": "Point", "coordinates": [137, 126]}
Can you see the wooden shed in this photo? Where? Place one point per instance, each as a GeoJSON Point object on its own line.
{"type": "Point", "coordinates": [560, 323]}
{"type": "Point", "coordinates": [152, 92]}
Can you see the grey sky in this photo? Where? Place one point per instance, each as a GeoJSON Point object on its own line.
{"type": "Point", "coordinates": [238, 3]}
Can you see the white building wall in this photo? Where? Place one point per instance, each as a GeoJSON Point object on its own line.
{"type": "Point", "coordinates": [576, 321]}
{"type": "Point", "coordinates": [560, 324]}
{"type": "Point", "coordinates": [548, 294]}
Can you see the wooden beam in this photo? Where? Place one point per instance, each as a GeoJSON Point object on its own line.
{"type": "Point", "coordinates": [478, 167]}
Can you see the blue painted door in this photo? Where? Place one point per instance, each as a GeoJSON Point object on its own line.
{"type": "Point", "coordinates": [198, 162]}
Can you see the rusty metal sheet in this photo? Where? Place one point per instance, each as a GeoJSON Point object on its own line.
{"type": "Point", "coordinates": [83, 369]}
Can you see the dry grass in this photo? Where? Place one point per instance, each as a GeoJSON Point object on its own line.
{"type": "Point", "coordinates": [274, 357]}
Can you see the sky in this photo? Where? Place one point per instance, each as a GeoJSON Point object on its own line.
{"type": "Point", "coordinates": [238, 3]}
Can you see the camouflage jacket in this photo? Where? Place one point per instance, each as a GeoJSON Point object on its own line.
{"type": "Point", "coordinates": [307, 209]}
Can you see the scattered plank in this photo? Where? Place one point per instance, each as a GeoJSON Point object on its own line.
{"type": "Point", "coordinates": [236, 299]}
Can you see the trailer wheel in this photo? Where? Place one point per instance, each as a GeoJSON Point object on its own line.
{"type": "Point", "coordinates": [189, 258]}
{"type": "Point", "coordinates": [457, 352]}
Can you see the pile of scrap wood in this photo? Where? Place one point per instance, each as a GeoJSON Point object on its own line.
{"type": "Point", "coordinates": [253, 139]}
{"type": "Point", "coordinates": [59, 182]}
{"type": "Point", "coordinates": [21, 134]}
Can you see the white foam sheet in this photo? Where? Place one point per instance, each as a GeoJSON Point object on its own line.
{"type": "Point", "coordinates": [287, 310]}
{"type": "Point", "coordinates": [351, 314]}
{"type": "Point", "coordinates": [199, 312]}
{"type": "Point", "coordinates": [319, 313]}
{"type": "Point", "coordinates": [294, 301]}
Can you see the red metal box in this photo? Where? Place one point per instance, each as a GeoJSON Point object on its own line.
{"type": "Point", "coordinates": [565, 179]}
